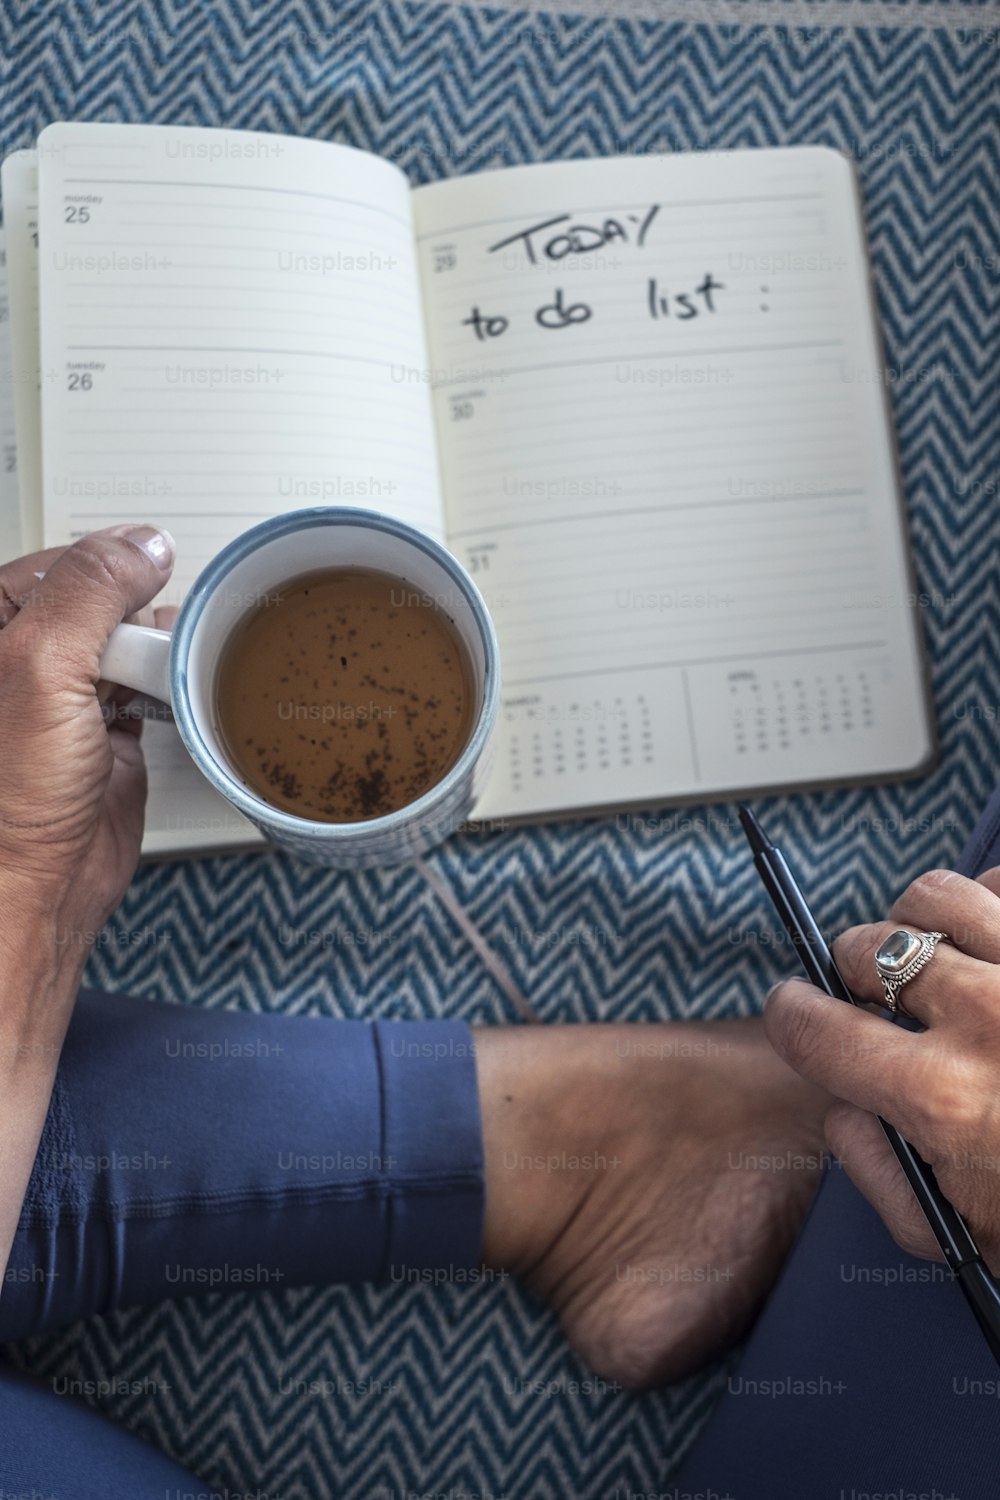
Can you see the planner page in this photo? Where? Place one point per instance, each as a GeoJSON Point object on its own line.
{"type": "Point", "coordinates": [19, 193]}
{"type": "Point", "coordinates": [10, 510]}
{"type": "Point", "coordinates": [667, 459]}
{"type": "Point", "coordinates": [234, 321]}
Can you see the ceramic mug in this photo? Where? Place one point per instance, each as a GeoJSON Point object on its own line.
{"type": "Point", "coordinates": [180, 668]}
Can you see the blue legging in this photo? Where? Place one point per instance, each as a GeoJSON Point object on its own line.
{"type": "Point", "coordinates": [198, 1149]}
{"type": "Point", "coordinates": [191, 1150]}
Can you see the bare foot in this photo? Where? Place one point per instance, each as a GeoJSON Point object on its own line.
{"type": "Point", "coordinates": [646, 1180]}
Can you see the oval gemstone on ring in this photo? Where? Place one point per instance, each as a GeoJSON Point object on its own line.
{"type": "Point", "coordinates": [899, 950]}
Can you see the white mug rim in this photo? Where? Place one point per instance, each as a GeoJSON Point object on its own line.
{"type": "Point", "coordinates": [209, 762]}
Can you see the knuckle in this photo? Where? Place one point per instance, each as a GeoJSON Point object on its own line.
{"type": "Point", "coordinates": [60, 631]}
{"type": "Point", "coordinates": [30, 670]}
{"type": "Point", "coordinates": [42, 655]}
{"type": "Point", "coordinates": [100, 562]}
{"type": "Point", "coordinates": [855, 945]}
{"type": "Point", "coordinates": [926, 887]}
{"type": "Point", "coordinates": [974, 997]}
{"type": "Point", "coordinates": [949, 1105]}
{"type": "Point", "coordinates": [798, 1024]}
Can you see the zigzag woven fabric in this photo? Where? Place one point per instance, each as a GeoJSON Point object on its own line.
{"type": "Point", "coordinates": [595, 920]}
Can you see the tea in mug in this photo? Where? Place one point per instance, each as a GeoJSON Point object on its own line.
{"type": "Point", "coordinates": [345, 695]}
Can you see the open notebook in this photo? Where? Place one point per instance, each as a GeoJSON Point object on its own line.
{"type": "Point", "coordinates": [641, 400]}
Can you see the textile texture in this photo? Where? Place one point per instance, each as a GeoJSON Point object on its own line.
{"type": "Point", "coordinates": [378, 1392]}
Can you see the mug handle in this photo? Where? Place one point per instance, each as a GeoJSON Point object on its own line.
{"type": "Point", "coordinates": [138, 657]}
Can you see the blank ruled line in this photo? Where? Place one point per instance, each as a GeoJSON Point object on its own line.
{"type": "Point", "coordinates": [570, 589]}
{"type": "Point", "coordinates": [197, 393]}
{"type": "Point", "coordinates": [276, 428]}
{"type": "Point", "coordinates": [534, 413]}
{"type": "Point", "coordinates": [559, 614]}
{"type": "Point", "coordinates": [774, 380]}
{"type": "Point", "coordinates": [692, 533]}
{"type": "Point", "coordinates": [718, 614]}
{"type": "Point", "coordinates": [228, 208]}
{"type": "Point", "coordinates": [359, 359]}
{"type": "Point", "coordinates": [534, 571]}
{"type": "Point", "coordinates": [148, 450]}
{"type": "Point", "coordinates": [690, 631]}
{"type": "Point", "coordinates": [702, 661]}
{"type": "Point", "coordinates": [527, 401]}
{"type": "Point", "coordinates": [667, 584]}
{"type": "Point", "coordinates": [678, 621]}
{"type": "Point", "coordinates": [118, 287]}
{"type": "Point", "coordinates": [164, 243]}
{"type": "Point", "coordinates": [626, 434]}
{"type": "Point", "coordinates": [180, 515]}
{"type": "Point", "coordinates": [708, 581]}
{"type": "Point", "coordinates": [818, 377]}
{"type": "Point", "coordinates": [226, 263]}
{"type": "Point", "coordinates": [323, 322]}
{"type": "Point", "coordinates": [715, 556]}
{"type": "Point", "coordinates": [423, 491]}
{"type": "Point", "coordinates": [184, 224]}
{"type": "Point", "coordinates": [647, 510]}
{"type": "Point", "coordinates": [499, 371]}
{"type": "Point", "coordinates": [674, 472]}
{"type": "Point", "coordinates": [528, 566]}
{"type": "Point", "coordinates": [701, 497]}
{"type": "Point", "coordinates": [813, 431]}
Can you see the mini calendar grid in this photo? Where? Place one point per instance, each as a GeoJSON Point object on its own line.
{"type": "Point", "coordinates": [592, 733]}
{"type": "Point", "coordinates": [775, 713]}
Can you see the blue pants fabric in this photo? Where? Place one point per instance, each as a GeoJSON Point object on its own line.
{"type": "Point", "coordinates": [191, 1150]}
{"type": "Point", "coordinates": [866, 1374]}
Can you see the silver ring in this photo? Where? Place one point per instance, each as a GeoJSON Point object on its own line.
{"type": "Point", "coordinates": [901, 958]}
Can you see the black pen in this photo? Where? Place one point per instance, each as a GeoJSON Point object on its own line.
{"type": "Point", "coordinates": [949, 1228]}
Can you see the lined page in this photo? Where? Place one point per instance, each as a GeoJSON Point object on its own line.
{"type": "Point", "coordinates": [10, 510]}
{"type": "Point", "coordinates": [235, 325]}
{"type": "Point", "coordinates": [19, 189]}
{"type": "Point", "coordinates": [666, 457]}
{"type": "Point", "coordinates": [182, 811]}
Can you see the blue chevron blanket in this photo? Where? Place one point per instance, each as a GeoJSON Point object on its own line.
{"type": "Point", "coordinates": [664, 918]}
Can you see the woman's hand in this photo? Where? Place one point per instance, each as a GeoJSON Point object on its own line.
{"type": "Point", "coordinates": [940, 1087]}
{"type": "Point", "coordinates": [72, 793]}
{"type": "Point", "coordinates": [72, 778]}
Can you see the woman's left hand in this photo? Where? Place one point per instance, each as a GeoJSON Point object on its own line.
{"type": "Point", "coordinates": [940, 1087]}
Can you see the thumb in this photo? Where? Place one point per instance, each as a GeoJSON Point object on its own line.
{"type": "Point", "coordinates": [89, 589]}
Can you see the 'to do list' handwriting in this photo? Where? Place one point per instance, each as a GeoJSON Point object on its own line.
{"type": "Point", "coordinates": [559, 238]}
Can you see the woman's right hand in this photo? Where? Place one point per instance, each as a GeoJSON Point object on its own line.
{"type": "Point", "coordinates": [72, 784]}
{"type": "Point", "coordinates": [939, 1087]}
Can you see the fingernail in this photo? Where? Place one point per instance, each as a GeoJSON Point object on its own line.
{"type": "Point", "coordinates": [158, 545]}
{"type": "Point", "coordinates": [791, 979]}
